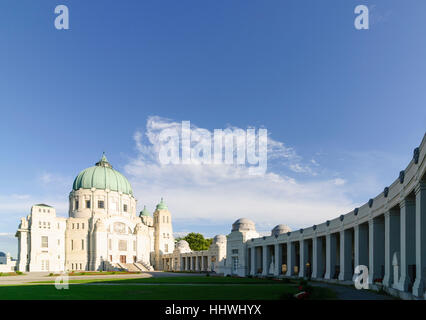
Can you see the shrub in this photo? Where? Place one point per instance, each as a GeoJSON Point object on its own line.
{"type": "Point", "coordinates": [19, 273]}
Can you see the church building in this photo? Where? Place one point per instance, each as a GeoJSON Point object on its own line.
{"type": "Point", "coordinates": [102, 232]}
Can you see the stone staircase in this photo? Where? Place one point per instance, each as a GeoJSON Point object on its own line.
{"type": "Point", "coordinates": [143, 266]}
{"type": "Point", "coordinates": [134, 267]}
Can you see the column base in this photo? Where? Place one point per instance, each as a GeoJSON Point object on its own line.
{"type": "Point", "coordinates": [419, 287]}
{"type": "Point", "coordinates": [345, 276]}
{"type": "Point", "coordinates": [404, 283]}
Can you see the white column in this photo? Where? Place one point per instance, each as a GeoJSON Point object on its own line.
{"type": "Point", "coordinates": [419, 284]}
{"type": "Point", "coordinates": [291, 257]}
{"type": "Point", "coordinates": [278, 259]}
{"type": "Point", "coordinates": [303, 257]}
{"type": "Point", "coordinates": [376, 248]}
{"type": "Point", "coordinates": [346, 271]}
{"type": "Point", "coordinates": [408, 241]}
{"type": "Point", "coordinates": [265, 260]}
{"type": "Point", "coordinates": [23, 251]}
{"type": "Point", "coordinates": [253, 261]}
{"type": "Point", "coordinates": [330, 252]}
{"type": "Point", "coordinates": [392, 239]}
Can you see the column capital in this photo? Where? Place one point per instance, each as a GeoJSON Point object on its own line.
{"type": "Point", "coordinates": [407, 202]}
{"type": "Point", "coordinates": [421, 186]}
{"type": "Point", "coordinates": [391, 212]}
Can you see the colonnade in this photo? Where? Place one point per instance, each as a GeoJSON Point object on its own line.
{"type": "Point", "coordinates": [188, 262]}
{"type": "Point", "coordinates": [387, 235]}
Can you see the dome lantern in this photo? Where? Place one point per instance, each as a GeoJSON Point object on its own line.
{"type": "Point", "coordinates": [103, 162]}
{"type": "Point", "coordinates": [144, 212]}
{"type": "Point", "coordinates": [161, 205]}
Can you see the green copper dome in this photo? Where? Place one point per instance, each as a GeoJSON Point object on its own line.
{"type": "Point", "coordinates": [102, 176]}
{"type": "Point", "coordinates": [144, 212]}
{"type": "Point", "coordinates": [161, 205]}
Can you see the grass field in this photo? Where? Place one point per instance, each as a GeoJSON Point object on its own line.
{"type": "Point", "coordinates": [179, 288]}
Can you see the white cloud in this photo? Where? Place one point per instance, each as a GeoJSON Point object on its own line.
{"type": "Point", "coordinates": [339, 182]}
{"type": "Point", "coordinates": [223, 193]}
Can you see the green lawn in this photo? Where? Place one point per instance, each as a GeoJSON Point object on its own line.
{"type": "Point", "coordinates": [180, 288]}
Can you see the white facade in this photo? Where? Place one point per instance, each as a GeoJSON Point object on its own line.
{"type": "Point", "coordinates": [102, 231]}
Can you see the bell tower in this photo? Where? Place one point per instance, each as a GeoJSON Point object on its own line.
{"type": "Point", "coordinates": [163, 233]}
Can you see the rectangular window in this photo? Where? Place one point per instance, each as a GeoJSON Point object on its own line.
{"type": "Point", "coordinates": [82, 226]}
{"type": "Point", "coordinates": [78, 225]}
{"type": "Point", "coordinates": [234, 251]}
{"type": "Point", "coordinates": [82, 244]}
{"type": "Point", "coordinates": [235, 264]}
{"type": "Point", "coordinates": [88, 204]}
{"type": "Point", "coordinates": [110, 244]}
{"type": "Point", "coordinates": [166, 248]}
{"type": "Point", "coordinates": [44, 242]}
{"type": "Point", "coordinates": [76, 205]}
{"type": "Point", "coordinates": [122, 245]}
{"type": "Point", "coordinates": [134, 245]}
{"type": "Point", "coordinates": [72, 244]}
{"type": "Point", "coordinates": [125, 208]}
{"type": "Point", "coordinates": [101, 204]}
{"type": "Point", "coordinates": [59, 242]}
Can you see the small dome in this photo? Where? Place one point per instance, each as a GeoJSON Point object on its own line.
{"type": "Point", "coordinates": [243, 224]}
{"type": "Point", "coordinates": [102, 176]}
{"type": "Point", "coordinates": [161, 205]}
{"type": "Point", "coordinates": [281, 228]}
{"type": "Point", "coordinates": [144, 212]}
{"type": "Point", "coordinates": [2, 254]}
{"type": "Point", "coordinates": [220, 238]}
{"type": "Point", "coordinates": [183, 246]}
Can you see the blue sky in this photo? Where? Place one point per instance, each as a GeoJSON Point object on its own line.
{"type": "Point", "coordinates": [348, 105]}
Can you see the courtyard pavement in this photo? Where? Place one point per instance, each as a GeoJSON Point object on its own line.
{"type": "Point", "coordinates": [346, 292]}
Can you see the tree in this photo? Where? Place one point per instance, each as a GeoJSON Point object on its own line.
{"type": "Point", "coordinates": [197, 241]}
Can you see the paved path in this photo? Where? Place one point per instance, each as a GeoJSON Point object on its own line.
{"type": "Point", "coordinates": [44, 276]}
{"type": "Point", "coordinates": [345, 292]}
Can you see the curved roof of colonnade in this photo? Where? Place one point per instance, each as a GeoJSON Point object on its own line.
{"type": "Point", "coordinates": [390, 197]}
